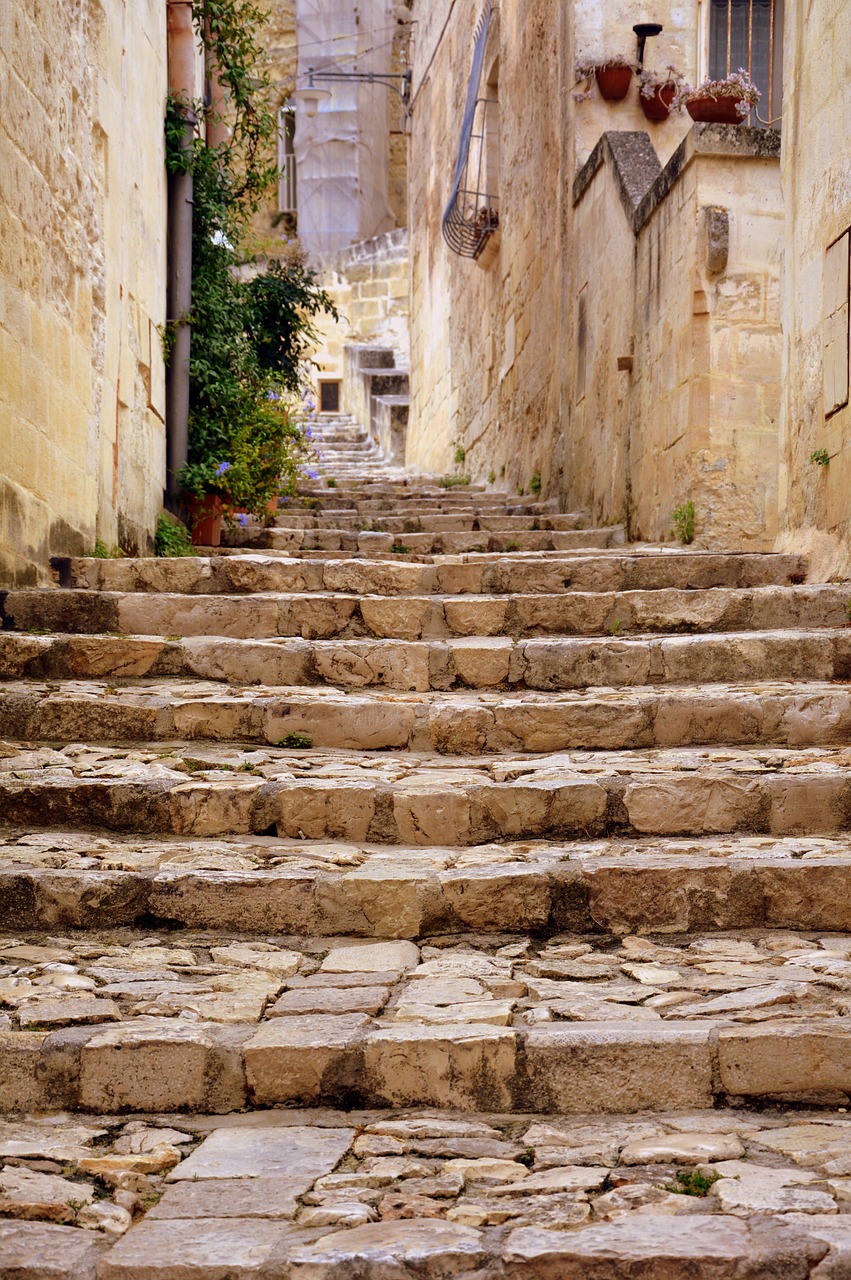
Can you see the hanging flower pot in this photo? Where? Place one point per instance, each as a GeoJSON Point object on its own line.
{"type": "Point", "coordinates": [613, 81]}
{"type": "Point", "coordinates": [727, 101]}
{"type": "Point", "coordinates": [657, 104]}
{"type": "Point", "coordinates": [710, 110]}
{"type": "Point", "coordinates": [206, 519]}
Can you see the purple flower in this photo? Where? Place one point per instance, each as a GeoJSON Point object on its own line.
{"type": "Point", "coordinates": [242, 518]}
{"type": "Point", "coordinates": [222, 468]}
{"type": "Point", "coordinates": [308, 433]}
{"type": "Point", "coordinates": [272, 395]}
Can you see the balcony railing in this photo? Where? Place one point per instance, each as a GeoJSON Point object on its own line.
{"type": "Point", "coordinates": [472, 213]}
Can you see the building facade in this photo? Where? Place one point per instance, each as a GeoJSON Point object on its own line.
{"type": "Point", "coordinates": [82, 279]}
{"type": "Point", "coordinates": [619, 337]}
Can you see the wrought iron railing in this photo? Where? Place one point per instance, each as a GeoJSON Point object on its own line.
{"type": "Point", "coordinates": [472, 213]}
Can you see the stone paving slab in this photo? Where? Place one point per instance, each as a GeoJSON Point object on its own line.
{"type": "Point", "coordinates": [716, 1193]}
{"type": "Point", "coordinates": [781, 714]}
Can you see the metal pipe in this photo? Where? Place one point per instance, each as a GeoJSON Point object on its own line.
{"type": "Point", "coordinates": [216, 129]}
{"type": "Point", "coordinates": [181, 85]}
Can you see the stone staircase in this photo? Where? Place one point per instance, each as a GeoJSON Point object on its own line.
{"type": "Point", "coordinates": [428, 913]}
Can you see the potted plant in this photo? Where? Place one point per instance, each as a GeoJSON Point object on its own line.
{"type": "Point", "coordinates": [613, 76]}
{"type": "Point", "coordinates": [206, 494]}
{"type": "Point", "coordinates": [728, 101]}
{"type": "Point", "coordinates": [658, 91]}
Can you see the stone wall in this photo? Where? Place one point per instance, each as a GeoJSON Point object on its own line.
{"type": "Point", "coordinates": [483, 369]}
{"type": "Point", "coordinates": [82, 275]}
{"type": "Point", "coordinates": [815, 501]}
{"type": "Point", "coordinates": [598, 348]}
{"type": "Point", "coordinates": [677, 379]}
{"type": "Point", "coordinates": [370, 286]}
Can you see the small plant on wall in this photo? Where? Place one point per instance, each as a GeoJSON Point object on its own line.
{"type": "Point", "coordinates": [820, 457]}
{"type": "Point", "coordinates": [613, 75]}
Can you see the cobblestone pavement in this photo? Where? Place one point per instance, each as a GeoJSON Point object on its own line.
{"type": "Point", "coordinates": [429, 887]}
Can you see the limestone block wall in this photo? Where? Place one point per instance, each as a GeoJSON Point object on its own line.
{"type": "Point", "coordinates": [369, 283]}
{"type": "Point", "coordinates": [603, 30]}
{"type": "Point", "coordinates": [484, 368]}
{"type": "Point", "coordinates": [676, 327]}
{"type": "Point", "coordinates": [82, 279]}
{"type": "Point", "coordinates": [815, 501]}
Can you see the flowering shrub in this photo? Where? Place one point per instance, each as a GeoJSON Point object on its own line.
{"type": "Point", "coordinates": [250, 337]}
{"type": "Point", "coordinates": [737, 85]}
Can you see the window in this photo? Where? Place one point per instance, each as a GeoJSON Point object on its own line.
{"type": "Point", "coordinates": [287, 194]}
{"type": "Point", "coordinates": [329, 397]}
{"type": "Point", "coordinates": [836, 329]}
{"type": "Point", "coordinates": [749, 34]}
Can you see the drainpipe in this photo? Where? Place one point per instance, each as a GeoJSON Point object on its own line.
{"type": "Point", "coordinates": [181, 84]}
{"type": "Point", "coordinates": [216, 130]}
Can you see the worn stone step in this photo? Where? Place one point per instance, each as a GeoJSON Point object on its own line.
{"type": "Point", "coordinates": [427, 800]}
{"type": "Point", "coordinates": [790, 714]}
{"type": "Point", "coordinates": [441, 664]}
{"type": "Point", "coordinates": [418, 521]}
{"type": "Point", "coordinates": [504, 1024]}
{"type": "Point", "coordinates": [617, 570]}
{"type": "Point", "coordinates": [320, 615]}
{"type": "Point", "coordinates": [256, 536]}
{"type": "Point", "coordinates": [439, 1193]}
{"type": "Point", "coordinates": [72, 879]}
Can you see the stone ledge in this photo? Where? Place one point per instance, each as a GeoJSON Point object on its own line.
{"type": "Point", "coordinates": [642, 181]}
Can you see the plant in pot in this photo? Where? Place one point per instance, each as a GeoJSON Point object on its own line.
{"type": "Point", "coordinates": [271, 451]}
{"type": "Point", "coordinates": [658, 91]}
{"type": "Point", "coordinates": [613, 77]}
{"type": "Point", "coordinates": [727, 101]}
{"type": "Point", "coordinates": [207, 491]}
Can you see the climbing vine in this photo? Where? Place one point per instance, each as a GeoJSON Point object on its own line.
{"type": "Point", "coordinates": [252, 323]}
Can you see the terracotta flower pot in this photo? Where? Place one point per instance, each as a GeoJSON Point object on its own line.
{"type": "Point", "coordinates": [716, 110]}
{"type": "Point", "coordinates": [272, 505]}
{"type": "Point", "coordinates": [613, 81]}
{"type": "Point", "coordinates": [206, 516]}
{"type": "Point", "coordinates": [659, 106]}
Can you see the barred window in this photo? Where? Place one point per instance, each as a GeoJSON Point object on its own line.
{"type": "Point", "coordinates": [749, 34]}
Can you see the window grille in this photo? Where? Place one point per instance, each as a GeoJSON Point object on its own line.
{"type": "Point", "coordinates": [472, 214]}
{"type": "Point", "coordinates": [749, 34]}
{"type": "Point", "coordinates": [287, 190]}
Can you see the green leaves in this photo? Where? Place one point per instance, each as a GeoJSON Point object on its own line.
{"type": "Point", "coordinates": [250, 339]}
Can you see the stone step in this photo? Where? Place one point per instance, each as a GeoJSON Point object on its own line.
{"type": "Point", "coordinates": [203, 790]}
{"type": "Point", "coordinates": [792, 714]}
{"type": "Point", "coordinates": [442, 1194]}
{"type": "Point", "coordinates": [466, 521]}
{"type": "Point", "coordinates": [616, 570]}
{"type": "Point", "coordinates": [443, 664]}
{"type": "Point", "coordinates": [488, 622]}
{"type": "Point", "coordinates": [258, 536]}
{"type": "Point", "coordinates": [497, 1024]}
{"type": "Point", "coordinates": [71, 879]}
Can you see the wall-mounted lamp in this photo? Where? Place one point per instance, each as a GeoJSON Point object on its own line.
{"type": "Point", "coordinates": [644, 30]}
{"type": "Point", "coordinates": [311, 95]}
